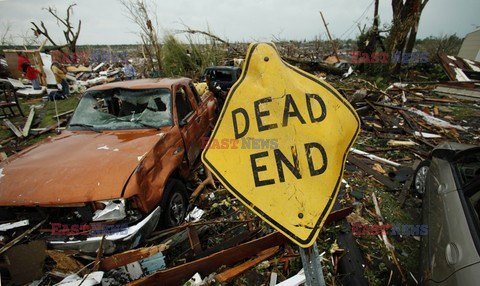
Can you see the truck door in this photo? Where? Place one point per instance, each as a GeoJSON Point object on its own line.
{"type": "Point", "coordinates": [189, 122]}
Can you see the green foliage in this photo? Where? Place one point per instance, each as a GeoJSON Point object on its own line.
{"type": "Point", "coordinates": [189, 59]}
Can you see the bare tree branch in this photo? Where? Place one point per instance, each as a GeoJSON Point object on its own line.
{"type": "Point", "coordinates": [71, 37]}
{"type": "Point", "coordinates": [6, 38]}
{"type": "Point", "coordinates": [189, 30]}
{"type": "Point", "coordinates": [138, 12]}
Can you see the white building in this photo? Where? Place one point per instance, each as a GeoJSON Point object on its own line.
{"type": "Point", "coordinates": [471, 46]}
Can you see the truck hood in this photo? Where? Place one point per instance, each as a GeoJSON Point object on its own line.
{"type": "Point", "coordinates": [75, 167]}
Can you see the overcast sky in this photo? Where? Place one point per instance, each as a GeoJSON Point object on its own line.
{"type": "Point", "coordinates": [104, 22]}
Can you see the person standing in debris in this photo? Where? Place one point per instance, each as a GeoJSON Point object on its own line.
{"type": "Point", "coordinates": [23, 62]}
{"type": "Point", "coordinates": [26, 68]}
{"type": "Point", "coordinates": [32, 75]}
{"type": "Point", "coordinates": [61, 77]}
{"type": "Point", "coordinates": [129, 70]}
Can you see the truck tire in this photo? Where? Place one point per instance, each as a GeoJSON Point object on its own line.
{"type": "Point", "coordinates": [174, 204]}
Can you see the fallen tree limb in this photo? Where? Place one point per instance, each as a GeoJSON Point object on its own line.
{"type": "Point", "coordinates": [208, 181]}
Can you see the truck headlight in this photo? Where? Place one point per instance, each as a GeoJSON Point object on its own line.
{"type": "Point", "coordinates": [113, 210]}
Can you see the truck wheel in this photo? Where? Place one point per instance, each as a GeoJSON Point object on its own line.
{"type": "Point", "coordinates": [420, 177]}
{"type": "Point", "coordinates": [175, 204]}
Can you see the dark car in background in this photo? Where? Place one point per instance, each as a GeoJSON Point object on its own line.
{"type": "Point", "coordinates": [450, 182]}
{"type": "Point", "coordinates": [222, 76]}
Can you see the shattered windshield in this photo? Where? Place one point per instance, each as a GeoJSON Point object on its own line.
{"type": "Point", "coordinates": [116, 109]}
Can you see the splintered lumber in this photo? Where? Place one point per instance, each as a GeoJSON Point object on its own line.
{"type": "Point", "coordinates": [180, 274]}
{"type": "Point", "coordinates": [406, 187]}
{"type": "Point", "coordinates": [194, 240]}
{"type": "Point", "coordinates": [385, 238]}
{"type": "Point", "coordinates": [351, 261]}
{"type": "Point", "coordinates": [20, 237]}
{"type": "Point", "coordinates": [28, 124]}
{"type": "Point", "coordinates": [52, 127]}
{"type": "Point", "coordinates": [235, 271]}
{"type": "Point", "coordinates": [63, 114]}
{"type": "Point", "coordinates": [395, 143]}
{"type": "Point", "coordinates": [99, 255]}
{"type": "Point", "coordinates": [435, 121]}
{"type": "Point", "coordinates": [381, 178]}
{"type": "Point", "coordinates": [338, 215]}
{"type": "Point", "coordinates": [12, 127]}
{"type": "Point", "coordinates": [373, 157]}
{"type": "Point", "coordinates": [124, 258]}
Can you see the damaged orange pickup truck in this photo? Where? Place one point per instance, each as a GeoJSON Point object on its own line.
{"type": "Point", "coordinates": [117, 170]}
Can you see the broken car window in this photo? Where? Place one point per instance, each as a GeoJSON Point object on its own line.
{"type": "Point", "coordinates": [117, 109]}
{"type": "Point", "coordinates": [184, 107]}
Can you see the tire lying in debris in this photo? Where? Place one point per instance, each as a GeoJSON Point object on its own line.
{"type": "Point", "coordinates": [175, 203]}
{"type": "Point", "coordinates": [420, 177]}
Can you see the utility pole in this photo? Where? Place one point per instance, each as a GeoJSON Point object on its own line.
{"type": "Point", "coordinates": [374, 36]}
{"type": "Point", "coordinates": [330, 37]}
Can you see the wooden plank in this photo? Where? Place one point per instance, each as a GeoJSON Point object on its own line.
{"type": "Point", "coordinates": [12, 127]}
{"type": "Point", "coordinates": [338, 215]}
{"type": "Point", "coordinates": [28, 124]}
{"type": "Point", "coordinates": [124, 258]}
{"type": "Point", "coordinates": [237, 270]}
{"type": "Point", "coordinates": [180, 274]}
{"type": "Point", "coordinates": [406, 187]}
{"type": "Point", "coordinates": [52, 127]}
{"type": "Point", "coordinates": [381, 178]}
{"type": "Point", "coordinates": [63, 114]}
{"type": "Point", "coordinates": [195, 244]}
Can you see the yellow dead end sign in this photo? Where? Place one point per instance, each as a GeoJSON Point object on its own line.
{"type": "Point", "coordinates": [281, 142]}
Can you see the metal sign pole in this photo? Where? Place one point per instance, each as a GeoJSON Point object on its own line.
{"type": "Point", "coordinates": [312, 266]}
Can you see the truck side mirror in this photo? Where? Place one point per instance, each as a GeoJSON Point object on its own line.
{"type": "Point", "coordinates": [182, 122]}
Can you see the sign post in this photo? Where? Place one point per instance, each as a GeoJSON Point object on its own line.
{"type": "Point", "coordinates": [280, 145]}
{"type": "Point", "coordinates": [312, 266]}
